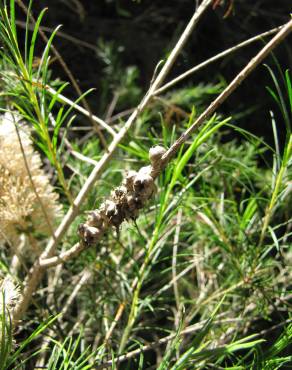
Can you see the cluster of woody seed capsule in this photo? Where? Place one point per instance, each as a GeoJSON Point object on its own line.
{"type": "Point", "coordinates": [125, 202]}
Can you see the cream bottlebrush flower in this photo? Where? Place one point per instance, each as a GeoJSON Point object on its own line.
{"type": "Point", "coordinates": [20, 210]}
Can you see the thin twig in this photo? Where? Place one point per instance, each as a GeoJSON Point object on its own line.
{"type": "Point", "coordinates": [114, 323]}
{"type": "Point", "coordinates": [62, 257]}
{"type": "Point", "coordinates": [186, 331]}
{"type": "Point", "coordinates": [174, 257]}
{"type": "Point", "coordinates": [112, 106]}
{"type": "Point", "coordinates": [119, 116]}
{"type": "Point", "coordinates": [216, 57]}
{"type": "Point", "coordinates": [161, 341]}
{"type": "Point", "coordinates": [254, 62]}
{"type": "Point", "coordinates": [174, 280]}
{"type": "Point", "coordinates": [81, 157]}
{"type": "Point", "coordinates": [77, 155]}
{"type": "Point", "coordinates": [61, 98]}
{"type": "Point", "coordinates": [85, 276]}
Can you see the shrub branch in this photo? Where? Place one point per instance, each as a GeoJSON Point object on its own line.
{"type": "Point", "coordinates": [36, 272]}
{"type": "Point", "coordinates": [104, 217]}
{"type": "Point", "coordinates": [216, 57]}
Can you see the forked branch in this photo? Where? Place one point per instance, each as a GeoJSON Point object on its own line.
{"type": "Point", "coordinates": [138, 187]}
{"type": "Point", "coordinates": [92, 230]}
{"type": "Point", "coordinates": [36, 273]}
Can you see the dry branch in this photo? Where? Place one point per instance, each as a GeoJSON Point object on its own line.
{"type": "Point", "coordinates": [254, 62]}
{"type": "Point", "coordinates": [216, 57]}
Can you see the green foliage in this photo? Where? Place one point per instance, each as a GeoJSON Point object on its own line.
{"type": "Point", "coordinates": [204, 268]}
{"type": "Point", "coordinates": [64, 356]}
{"type": "Point", "coordinates": [14, 356]}
{"type": "Point", "coordinates": [6, 339]}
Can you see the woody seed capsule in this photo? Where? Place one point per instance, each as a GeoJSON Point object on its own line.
{"type": "Point", "coordinates": [155, 154]}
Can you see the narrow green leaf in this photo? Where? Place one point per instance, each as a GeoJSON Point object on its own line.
{"type": "Point", "coordinates": [46, 52]}
{"type": "Point", "coordinates": [12, 17]}
{"type": "Point", "coordinates": [33, 40]}
{"type": "Point", "coordinates": [26, 44]}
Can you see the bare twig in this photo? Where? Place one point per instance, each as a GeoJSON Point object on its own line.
{"type": "Point", "coordinates": [82, 110]}
{"type": "Point", "coordinates": [186, 331]}
{"type": "Point", "coordinates": [174, 257]}
{"type": "Point", "coordinates": [85, 276]}
{"type": "Point", "coordinates": [216, 57]}
{"type": "Point", "coordinates": [254, 62]}
{"type": "Point", "coordinates": [80, 156]}
{"type": "Point", "coordinates": [121, 115]}
{"type": "Point", "coordinates": [62, 257]}
{"type": "Point", "coordinates": [160, 342]}
{"type": "Point", "coordinates": [112, 106]}
{"type": "Point", "coordinates": [114, 323]}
